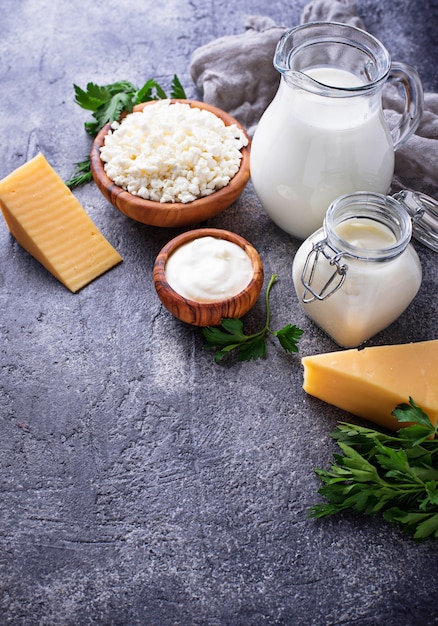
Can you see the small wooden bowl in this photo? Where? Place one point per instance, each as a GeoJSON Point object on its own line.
{"type": "Point", "coordinates": [207, 313]}
{"type": "Point", "coordinates": [171, 214]}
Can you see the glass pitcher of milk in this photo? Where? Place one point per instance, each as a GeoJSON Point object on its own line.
{"type": "Point", "coordinates": [324, 134]}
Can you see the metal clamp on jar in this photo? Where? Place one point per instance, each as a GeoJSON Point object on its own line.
{"type": "Point", "coordinates": [359, 272]}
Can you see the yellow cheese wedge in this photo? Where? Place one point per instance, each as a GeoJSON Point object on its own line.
{"type": "Point", "coordinates": [371, 382]}
{"type": "Point", "coordinates": [50, 223]}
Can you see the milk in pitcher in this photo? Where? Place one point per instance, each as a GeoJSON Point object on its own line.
{"type": "Point", "coordinates": [324, 134]}
{"type": "Point", "coordinates": [339, 144]}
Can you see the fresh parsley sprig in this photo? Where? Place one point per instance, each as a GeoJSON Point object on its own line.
{"type": "Point", "coordinates": [394, 475]}
{"type": "Point", "coordinates": [251, 346]}
{"type": "Point", "coordinates": [82, 174]}
{"type": "Point", "coordinates": [107, 103]}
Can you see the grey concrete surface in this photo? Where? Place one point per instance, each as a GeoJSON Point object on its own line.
{"type": "Point", "coordinates": [141, 483]}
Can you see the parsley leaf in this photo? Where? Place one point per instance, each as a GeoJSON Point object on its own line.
{"type": "Point", "coordinates": [107, 103]}
{"type": "Point", "coordinates": [151, 90]}
{"type": "Point", "coordinates": [176, 89]}
{"type": "Point", "coordinates": [230, 336]}
{"type": "Point", "coordinates": [82, 174]}
{"type": "Point", "coordinates": [396, 475]}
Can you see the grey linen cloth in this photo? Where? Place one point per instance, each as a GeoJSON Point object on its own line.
{"type": "Point", "coordinates": [236, 74]}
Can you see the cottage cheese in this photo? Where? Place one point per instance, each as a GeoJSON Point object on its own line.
{"type": "Point", "coordinates": [172, 152]}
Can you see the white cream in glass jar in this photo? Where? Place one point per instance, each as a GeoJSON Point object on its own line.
{"type": "Point", "coordinates": [359, 272]}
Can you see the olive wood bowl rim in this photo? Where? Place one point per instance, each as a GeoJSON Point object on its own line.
{"type": "Point", "coordinates": [207, 313]}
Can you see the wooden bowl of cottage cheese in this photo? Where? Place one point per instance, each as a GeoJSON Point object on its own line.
{"type": "Point", "coordinates": [208, 274]}
{"type": "Point", "coordinates": [172, 162]}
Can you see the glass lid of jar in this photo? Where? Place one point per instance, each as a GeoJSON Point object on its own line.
{"type": "Point", "coordinates": [424, 213]}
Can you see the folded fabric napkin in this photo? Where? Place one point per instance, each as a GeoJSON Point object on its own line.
{"type": "Point", "coordinates": [236, 74]}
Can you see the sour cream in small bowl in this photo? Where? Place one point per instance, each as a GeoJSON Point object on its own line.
{"type": "Point", "coordinates": [208, 274]}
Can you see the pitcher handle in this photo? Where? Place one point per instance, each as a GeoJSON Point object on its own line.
{"type": "Point", "coordinates": [406, 77]}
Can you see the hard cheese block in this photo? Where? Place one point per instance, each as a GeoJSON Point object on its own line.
{"type": "Point", "coordinates": [50, 223]}
{"type": "Point", "coordinates": [371, 382]}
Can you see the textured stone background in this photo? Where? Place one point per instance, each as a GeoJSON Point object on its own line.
{"type": "Point", "coordinates": [142, 484]}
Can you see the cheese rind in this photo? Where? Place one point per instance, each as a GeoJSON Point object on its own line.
{"type": "Point", "coordinates": [49, 222]}
{"type": "Point", "coordinates": [371, 382]}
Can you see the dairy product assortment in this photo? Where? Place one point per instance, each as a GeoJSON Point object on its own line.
{"type": "Point", "coordinates": [172, 152]}
{"type": "Point", "coordinates": [48, 221]}
{"type": "Point", "coordinates": [209, 269]}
